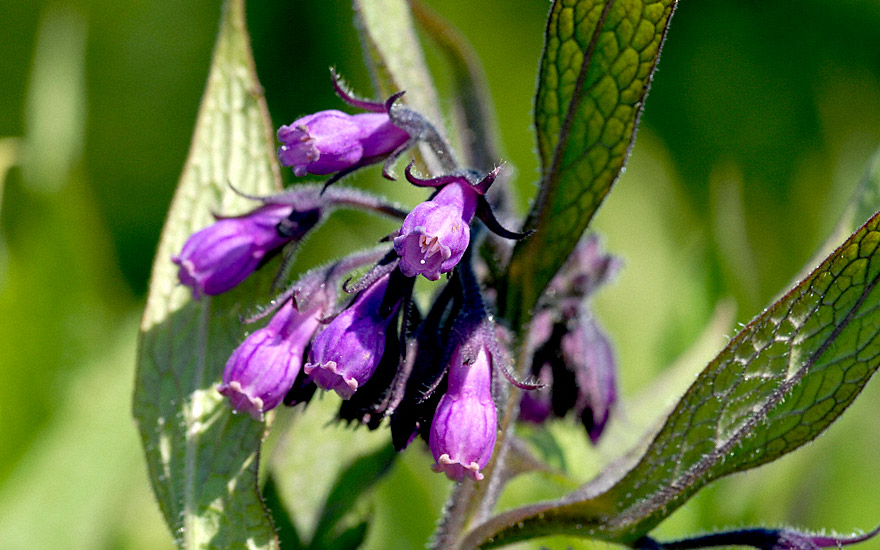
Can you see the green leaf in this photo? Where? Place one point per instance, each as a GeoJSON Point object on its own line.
{"type": "Point", "coordinates": [394, 55]}
{"type": "Point", "coordinates": [860, 207]}
{"type": "Point", "coordinates": [474, 113]}
{"type": "Point", "coordinates": [350, 539]}
{"type": "Point", "coordinates": [352, 483]}
{"type": "Point", "coordinates": [599, 57]}
{"type": "Point", "coordinates": [397, 63]}
{"type": "Point", "coordinates": [202, 459]}
{"type": "Point", "coordinates": [777, 385]}
{"type": "Point", "coordinates": [288, 535]}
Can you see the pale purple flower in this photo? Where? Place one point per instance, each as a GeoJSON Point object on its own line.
{"type": "Point", "coordinates": [263, 368]}
{"type": "Point", "coordinates": [220, 256]}
{"type": "Point", "coordinates": [436, 233]}
{"type": "Point", "coordinates": [331, 141]}
{"type": "Point", "coordinates": [346, 353]}
{"type": "Point", "coordinates": [464, 427]}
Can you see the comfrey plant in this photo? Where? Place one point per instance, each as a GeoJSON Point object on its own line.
{"type": "Point", "coordinates": [499, 332]}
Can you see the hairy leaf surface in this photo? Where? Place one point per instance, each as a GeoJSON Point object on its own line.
{"type": "Point", "coordinates": [202, 459]}
{"type": "Point", "coordinates": [396, 61]}
{"type": "Point", "coordinates": [599, 57]}
{"type": "Point", "coordinates": [777, 385]}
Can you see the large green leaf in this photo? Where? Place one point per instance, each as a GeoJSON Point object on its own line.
{"type": "Point", "coordinates": [599, 56]}
{"type": "Point", "coordinates": [473, 113]}
{"type": "Point", "coordinates": [394, 55]}
{"type": "Point", "coordinates": [397, 63]}
{"type": "Point", "coordinates": [203, 459]}
{"type": "Point", "coordinates": [777, 385]}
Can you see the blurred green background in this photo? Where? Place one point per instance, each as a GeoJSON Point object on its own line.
{"type": "Point", "coordinates": [761, 119]}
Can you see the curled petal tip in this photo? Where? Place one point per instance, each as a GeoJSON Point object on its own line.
{"type": "Point", "coordinates": [241, 401]}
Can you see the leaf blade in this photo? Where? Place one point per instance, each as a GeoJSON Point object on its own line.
{"type": "Point", "coordinates": [778, 384]}
{"type": "Point", "coordinates": [599, 58]}
{"type": "Point", "coordinates": [396, 61]}
{"type": "Point", "coordinates": [202, 460]}
{"type": "Point", "coordinates": [352, 483]}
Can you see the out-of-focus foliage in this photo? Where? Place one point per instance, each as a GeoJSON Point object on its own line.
{"type": "Point", "coordinates": [758, 125]}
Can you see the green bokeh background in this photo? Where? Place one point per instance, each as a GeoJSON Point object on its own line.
{"type": "Point", "coordinates": [761, 119]}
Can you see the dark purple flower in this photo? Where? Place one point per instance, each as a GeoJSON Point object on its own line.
{"type": "Point", "coordinates": [331, 141]}
{"type": "Point", "coordinates": [345, 354]}
{"type": "Point", "coordinates": [574, 360]}
{"type": "Point", "coordinates": [536, 406]}
{"type": "Point", "coordinates": [464, 427]}
{"type": "Point", "coordinates": [263, 368]}
{"type": "Point", "coordinates": [218, 257]}
{"type": "Point", "coordinates": [587, 352]}
{"type": "Point", "coordinates": [586, 269]}
{"type": "Point", "coordinates": [436, 233]}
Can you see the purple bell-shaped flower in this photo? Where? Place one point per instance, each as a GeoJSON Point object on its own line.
{"type": "Point", "coordinates": [588, 353]}
{"type": "Point", "coordinates": [263, 368]}
{"type": "Point", "coordinates": [332, 141]}
{"type": "Point", "coordinates": [464, 427]}
{"type": "Point", "coordinates": [436, 233]}
{"type": "Point", "coordinates": [220, 256]}
{"type": "Point", "coordinates": [346, 353]}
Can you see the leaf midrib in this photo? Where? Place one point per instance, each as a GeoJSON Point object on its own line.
{"type": "Point", "coordinates": [190, 500]}
{"type": "Point", "coordinates": [550, 179]}
{"type": "Point", "coordinates": [645, 508]}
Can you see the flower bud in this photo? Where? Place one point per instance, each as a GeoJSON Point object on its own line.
{"type": "Point", "coordinates": [218, 257]}
{"type": "Point", "coordinates": [464, 427]}
{"type": "Point", "coordinates": [331, 141]}
{"type": "Point", "coordinates": [346, 353]}
{"type": "Point", "coordinates": [436, 233]}
{"type": "Point", "coordinates": [264, 367]}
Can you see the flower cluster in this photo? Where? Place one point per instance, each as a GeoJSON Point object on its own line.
{"type": "Point", "coordinates": [433, 374]}
{"type": "Point", "coordinates": [571, 355]}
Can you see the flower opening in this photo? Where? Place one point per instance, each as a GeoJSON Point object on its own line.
{"type": "Point", "coordinates": [464, 427]}
{"type": "Point", "coordinates": [436, 233]}
{"type": "Point", "coordinates": [264, 367]}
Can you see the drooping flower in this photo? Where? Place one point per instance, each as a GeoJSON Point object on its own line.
{"type": "Point", "coordinates": [436, 233]}
{"type": "Point", "coordinates": [332, 141]}
{"type": "Point", "coordinates": [464, 427]}
{"type": "Point", "coordinates": [536, 406]}
{"type": "Point", "coordinates": [576, 362]}
{"type": "Point", "coordinates": [220, 256]}
{"type": "Point", "coordinates": [588, 354]}
{"type": "Point", "coordinates": [571, 354]}
{"type": "Point", "coordinates": [263, 368]}
{"type": "Point", "coordinates": [346, 353]}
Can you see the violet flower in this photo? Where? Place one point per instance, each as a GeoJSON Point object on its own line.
{"type": "Point", "coordinates": [346, 353]}
{"type": "Point", "coordinates": [587, 352]}
{"type": "Point", "coordinates": [332, 141]}
{"type": "Point", "coordinates": [464, 427]}
{"type": "Point", "coordinates": [263, 368]}
{"type": "Point", "coordinates": [536, 406]}
{"type": "Point", "coordinates": [220, 256]}
{"type": "Point", "coordinates": [436, 233]}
